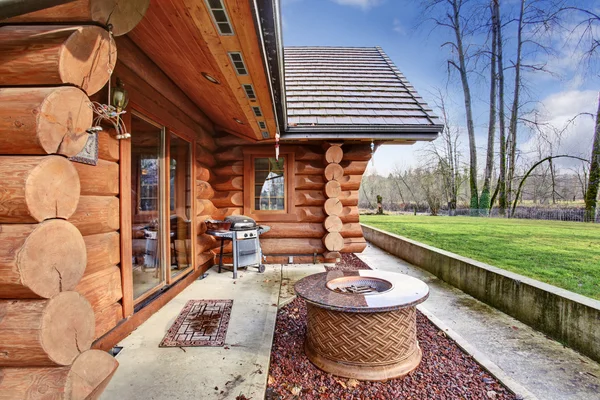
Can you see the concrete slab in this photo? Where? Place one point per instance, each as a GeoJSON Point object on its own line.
{"type": "Point", "coordinates": [541, 365]}
{"type": "Point", "coordinates": [290, 274]}
{"type": "Point", "coordinates": [240, 367]}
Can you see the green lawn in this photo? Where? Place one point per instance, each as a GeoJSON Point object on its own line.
{"type": "Point", "coordinates": [564, 254]}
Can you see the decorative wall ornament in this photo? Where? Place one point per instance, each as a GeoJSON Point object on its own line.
{"type": "Point", "coordinates": [89, 153]}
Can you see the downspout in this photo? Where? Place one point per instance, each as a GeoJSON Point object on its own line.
{"type": "Point", "coordinates": [14, 8]}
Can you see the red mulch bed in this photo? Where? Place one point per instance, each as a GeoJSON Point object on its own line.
{"type": "Point", "coordinates": [349, 262]}
{"type": "Point", "coordinates": [445, 372]}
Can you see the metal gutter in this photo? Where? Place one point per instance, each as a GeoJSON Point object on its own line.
{"type": "Point", "coordinates": [405, 132]}
{"type": "Point", "coordinates": [267, 17]}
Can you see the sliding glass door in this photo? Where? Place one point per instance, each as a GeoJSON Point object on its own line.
{"type": "Point", "coordinates": [147, 203]}
{"type": "Point", "coordinates": [180, 205]}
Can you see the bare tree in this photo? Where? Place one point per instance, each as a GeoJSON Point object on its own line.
{"type": "Point", "coordinates": [484, 200]}
{"type": "Point", "coordinates": [447, 155]}
{"type": "Point", "coordinates": [591, 194]}
{"type": "Point", "coordinates": [453, 15]}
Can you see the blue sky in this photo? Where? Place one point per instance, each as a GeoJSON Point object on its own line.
{"type": "Point", "coordinates": [399, 28]}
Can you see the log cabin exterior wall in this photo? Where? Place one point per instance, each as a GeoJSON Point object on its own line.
{"type": "Point", "coordinates": [94, 205]}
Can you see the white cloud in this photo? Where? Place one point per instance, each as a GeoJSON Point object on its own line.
{"type": "Point", "coordinates": [398, 27]}
{"type": "Point", "coordinates": [364, 4]}
{"type": "Point", "coordinates": [558, 110]}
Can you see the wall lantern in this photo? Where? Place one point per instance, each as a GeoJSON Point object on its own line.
{"type": "Point", "coordinates": [120, 98]}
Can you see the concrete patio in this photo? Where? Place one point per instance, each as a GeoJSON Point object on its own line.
{"type": "Point", "coordinates": [523, 358]}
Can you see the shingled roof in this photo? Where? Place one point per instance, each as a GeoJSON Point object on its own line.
{"type": "Point", "coordinates": [352, 89]}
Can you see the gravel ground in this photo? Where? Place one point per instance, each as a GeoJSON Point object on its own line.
{"type": "Point", "coordinates": [445, 372]}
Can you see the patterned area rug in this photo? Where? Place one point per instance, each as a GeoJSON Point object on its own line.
{"type": "Point", "coordinates": [200, 323]}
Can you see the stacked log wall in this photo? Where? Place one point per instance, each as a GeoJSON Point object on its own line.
{"type": "Point", "coordinates": [301, 236]}
{"type": "Point", "coordinates": [47, 326]}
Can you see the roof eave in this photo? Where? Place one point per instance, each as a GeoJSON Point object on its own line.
{"type": "Point", "coordinates": [268, 22]}
{"type": "Point", "coordinates": [372, 132]}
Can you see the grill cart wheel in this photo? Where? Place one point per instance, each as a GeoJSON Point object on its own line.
{"type": "Point", "coordinates": [261, 268]}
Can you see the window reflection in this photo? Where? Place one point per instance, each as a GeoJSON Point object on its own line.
{"type": "Point", "coordinates": [269, 183]}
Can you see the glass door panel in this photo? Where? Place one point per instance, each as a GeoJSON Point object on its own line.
{"type": "Point", "coordinates": [147, 149]}
{"type": "Point", "coordinates": [180, 204]}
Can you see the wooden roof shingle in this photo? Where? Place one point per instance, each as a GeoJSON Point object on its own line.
{"type": "Point", "coordinates": [351, 89]}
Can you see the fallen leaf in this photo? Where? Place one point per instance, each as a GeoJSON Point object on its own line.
{"type": "Point", "coordinates": [323, 389]}
{"type": "Point", "coordinates": [352, 383]}
{"type": "Point", "coordinates": [295, 390]}
{"type": "Point", "coordinates": [270, 380]}
{"type": "Point", "coordinates": [342, 384]}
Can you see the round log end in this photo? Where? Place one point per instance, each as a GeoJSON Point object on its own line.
{"type": "Point", "coordinates": [52, 189]}
{"type": "Point", "coordinates": [333, 206]}
{"type": "Point", "coordinates": [64, 116]}
{"type": "Point", "coordinates": [89, 375]}
{"type": "Point", "coordinates": [53, 258]}
{"type": "Point", "coordinates": [333, 189]}
{"type": "Point", "coordinates": [87, 57]}
{"type": "Point", "coordinates": [333, 223]}
{"type": "Point", "coordinates": [334, 154]}
{"type": "Point", "coordinates": [333, 241]}
{"type": "Point", "coordinates": [122, 15]}
{"type": "Point", "coordinates": [67, 328]}
{"type": "Point", "coordinates": [334, 172]}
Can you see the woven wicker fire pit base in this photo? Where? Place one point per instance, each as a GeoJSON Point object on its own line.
{"type": "Point", "coordinates": [365, 336]}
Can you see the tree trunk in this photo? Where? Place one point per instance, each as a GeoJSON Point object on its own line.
{"type": "Point", "coordinates": [40, 260]}
{"type": "Point", "coordinates": [44, 120]}
{"type": "Point", "coordinates": [38, 333]}
{"type": "Point", "coordinates": [462, 69]}
{"type": "Point", "coordinates": [56, 55]}
{"type": "Point", "coordinates": [86, 378]}
{"type": "Point", "coordinates": [514, 112]}
{"type": "Point", "coordinates": [591, 194]}
{"type": "Point", "coordinates": [484, 201]}
{"type": "Point", "coordinates": [36, 188]}
{"type": "Point", "coordinates": [502, 200]}
{"type": "Point", "coordinates": [123, 16]}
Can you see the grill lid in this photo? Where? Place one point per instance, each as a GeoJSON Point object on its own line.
{"type": "Point", "coordinates": [240, 222]}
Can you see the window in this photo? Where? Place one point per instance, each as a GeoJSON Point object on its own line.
{"type": "Point", "coordinates": [262, 125]}
{"type": "Point", "coordinates": [219, 14]}
{"type": "Point", "coordinates": [269, 184]}
{"type": "Point", "coordinates": [257, 111]}
{"type": "Point", "coordinates": [249, 91]}
{"type": "Point", "coordinates": [238, 63]}
{"type": "Point", "coordinates": [148, 169]}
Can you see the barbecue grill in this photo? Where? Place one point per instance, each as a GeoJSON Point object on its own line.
{"type": "Point", "coordinates": [243, 233]}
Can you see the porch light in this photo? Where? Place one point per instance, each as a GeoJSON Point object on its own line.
{"type": "Point", "coordinates": [211, 78]}
{"type": "Point", "coordinates": [119, 98]}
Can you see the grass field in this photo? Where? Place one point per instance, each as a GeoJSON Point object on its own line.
{"type": "Point", "coordinates": [564, 254]}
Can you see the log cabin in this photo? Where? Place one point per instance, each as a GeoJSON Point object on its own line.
{"type": "Point", "coordinates": [100, 227]}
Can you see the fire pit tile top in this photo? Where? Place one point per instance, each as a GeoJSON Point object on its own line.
{"type": "Point", "coordinates": [365, 291]}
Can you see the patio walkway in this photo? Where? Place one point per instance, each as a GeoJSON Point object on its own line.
{"type": "Point", "coordinates": [543, 366]}
{"type": "Point", "coordinates": [147, 371]}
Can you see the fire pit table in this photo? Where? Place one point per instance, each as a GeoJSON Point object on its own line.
{"type": "Point", "coordinates": [362, 324]}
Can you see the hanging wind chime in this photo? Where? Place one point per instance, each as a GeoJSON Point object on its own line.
{"type": "Point", "coordinates": [117, 100]}
{"type": "Point", "coordinates": [372, 153]}
{"type": "Point", "coordinates": [277, 146]}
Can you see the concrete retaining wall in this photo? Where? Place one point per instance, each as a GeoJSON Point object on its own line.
{"type": "Point", "coordinates": [566, 316]}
